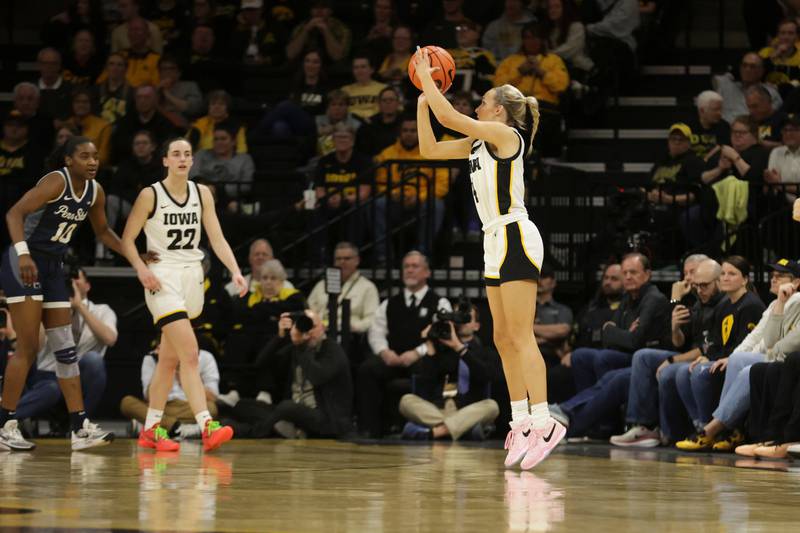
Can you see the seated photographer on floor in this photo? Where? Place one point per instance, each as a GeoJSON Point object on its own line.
{"type": "Point", "coordinates": [318, 391]}
{"type": "Point", "coordinates": [178, 417]}
{"type": "Point", "coordinates": [462, 368]}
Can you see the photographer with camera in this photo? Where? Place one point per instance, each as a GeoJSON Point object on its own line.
{"type": "Point", "coordinates": [94, 328]}
{"type": "Point", "coordinates": [318, 392]}
{"type": "Point", "coordinates": [463, 368]}
{"type": "Point", "coordinates": [395, 338]}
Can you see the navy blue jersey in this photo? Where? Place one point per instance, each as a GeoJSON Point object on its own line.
{"type": "Point", "coordinates": [49, 230]}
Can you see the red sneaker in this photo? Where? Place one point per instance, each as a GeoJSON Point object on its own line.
{"type": "Point", "coordinates": [215, 435]}
{"type": "Point", "coordinates": [157, 438]}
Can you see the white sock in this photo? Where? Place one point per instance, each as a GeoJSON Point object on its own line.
{"type": "Point", "coordinates": [519, 410]}
{"type": "Point", "coordinates": [153, 418]}
{"type": "Point", "coordinates": [540, 414]}
{"type": "Point", "coordinates": [202, 417]}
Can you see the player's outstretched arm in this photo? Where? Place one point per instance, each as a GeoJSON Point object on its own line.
{"type": "Point", "coordinates": [142, 207]}
{"type": "Point", "coordinates": [217, 240]}
{"type": "Point", "coordinates": [49, 188]}
{"type": "Point", "coordinates": [496, 133]}
{"type": "Point", "coordinates": [429, 147]}
{"type": "Point", "coordinates": [97, 216]}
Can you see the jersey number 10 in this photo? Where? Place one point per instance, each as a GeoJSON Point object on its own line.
{"type": "Point", "coordinates": [177, 236]}
{"type": "Point", "coordinates": [64, 232]}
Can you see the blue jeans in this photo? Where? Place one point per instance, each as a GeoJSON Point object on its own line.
{"type": "Point", "coordinates": [597, 408]}
{"type": "Point", "coordinates": [697, 393]}
{"type": "Point", "coordinates": [590, 364]}
{"type": "Point", "coordinates": [735, 400]}
{"type": "Point", "coordinates": [43, 393]}
{"type": "Point", "coordinates": [673, 418]}
{"type": "Point", "coordinates": [643, 394]}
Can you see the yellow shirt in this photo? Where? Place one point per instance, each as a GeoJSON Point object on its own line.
{"type": "Point", "coordinates": [364, 98]}
{"type": "Point", "coordinates": [783, 69]}
{"type": "Point", "coordinates": [142, 69]}
{"type": "Point", "coordinates": [422, 175]}
{"type": "Point", "coordinates": [98, 130]}
{"type": "Point", "coordinates": [546, 89]}
{"type": "Point", "coordinates": [205, 127]}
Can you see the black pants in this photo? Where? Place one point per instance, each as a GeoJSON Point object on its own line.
{"type": "Point", "coordinates": [786, 413]}
{"type": "Point", "coordinates": [764, 379]}
{"type": "Point", "coordinates": [257, 419]}
{"type": "Point", "coordinates": [373, 376]}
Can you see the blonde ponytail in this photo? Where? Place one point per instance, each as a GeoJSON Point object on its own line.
{"type": "Point", "coordinates": [522, 111]}
{"type": "Point", "coordinates": [532, 111]}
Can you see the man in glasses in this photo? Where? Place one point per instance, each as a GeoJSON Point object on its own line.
{"type": "Point", "coordinates": [690, 331]}
{"type": "Point", "coordinates": [751, 72]}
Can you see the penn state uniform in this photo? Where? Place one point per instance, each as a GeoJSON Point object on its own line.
{"type": "Point", "coordinates": [48, 232]}
{"type": "Point", "coordinates": [173, 231]}
{"type": "Point", "coordinates": [512, 246]}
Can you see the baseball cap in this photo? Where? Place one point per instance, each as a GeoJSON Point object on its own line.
{"type": "Point", "coordinates": [792, 119]}
{"type": "Point", "coordinates": [15, 116]}
{"type": "Point", "coordinates": [252, 4]}
{"type": "Point", "coordinates": [786, 265]}
{"type": "Point", "coordinates": [684, 129]}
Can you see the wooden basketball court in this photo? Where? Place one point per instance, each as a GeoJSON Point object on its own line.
{"type": "Point", "coordinates": [304, 486]}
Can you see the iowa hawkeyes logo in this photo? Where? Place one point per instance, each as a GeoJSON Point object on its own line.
{"type": "Point", "coordinates": [727, 327]}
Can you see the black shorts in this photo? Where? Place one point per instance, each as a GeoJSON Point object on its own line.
{"type": "Point", "coordinates": [51, 289]}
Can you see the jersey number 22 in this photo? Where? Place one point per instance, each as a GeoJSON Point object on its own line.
{"type": "Point", "coordinates": [187, 236]}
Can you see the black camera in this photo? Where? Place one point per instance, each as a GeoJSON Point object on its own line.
{"type": "Point", "coordinates": [72, 270]}
{"type": "Point", "coordinates": [462, 314]}
{"type": "Point", "coordinates": [302, 322]}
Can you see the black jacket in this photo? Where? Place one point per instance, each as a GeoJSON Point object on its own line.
{"type": "Point", "coordinates": [326, 368]}
{"type": "Point", "coordinates": [652, 310]}
{"type": "Point", "coordinates": [484, 368]}
{"type": "Point", "coordinates": [697, 332]}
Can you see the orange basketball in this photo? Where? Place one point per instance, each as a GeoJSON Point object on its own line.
{"type": "Point", "coordinates": [439, 58]}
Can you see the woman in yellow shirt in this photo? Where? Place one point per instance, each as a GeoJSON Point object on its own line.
{"type": "Point", "coordinates": [783, 56]}
{"type": "Point", "coordinates": [201, 133]}
{"type": "Point", "coordinates": [537, 72]}
{"type": "Point", "coordinates": [88, 124]}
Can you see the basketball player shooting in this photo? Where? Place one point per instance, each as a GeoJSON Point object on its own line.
{"type": "Point", "coordinates": [171, 213]}
{"type": "Point", "coordinates": [495, 147]}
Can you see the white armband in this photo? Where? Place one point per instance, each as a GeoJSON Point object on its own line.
{"type": "Point", "coordinates": [22, 248]}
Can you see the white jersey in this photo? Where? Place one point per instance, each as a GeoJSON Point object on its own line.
{"type": "Point", "coordinates": [173, 229]}
{"type": "Point", "coordinates": [498, 185]}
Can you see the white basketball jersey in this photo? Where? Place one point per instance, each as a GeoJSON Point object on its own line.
{"type": "Point", "coordinates": [498, 185]}
{"type": "Point", "coordinates": [173, 229]}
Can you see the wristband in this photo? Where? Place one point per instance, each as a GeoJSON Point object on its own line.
{"type": "Point", "coordinates": [22, 248]}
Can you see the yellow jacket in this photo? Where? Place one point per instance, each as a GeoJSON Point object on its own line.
{"type": "Point", "coordinates": [98, 130]}
{"type": "Point", "coordinates": [205, 127]}
{"type": "Point", "coordinates": [546, 89]}
{"type": "Point", "coordinates": [732, 196]}
{"type": "Point", "coordinates": [398, 151]}
{"type": "Point", "coordinates": [142, 69]}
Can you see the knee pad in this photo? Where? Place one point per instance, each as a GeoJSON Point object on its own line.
{"type": "Point", "coordinates": [61, 342]}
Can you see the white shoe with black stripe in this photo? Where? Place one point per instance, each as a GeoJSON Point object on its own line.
{"type": "Point", "coordinates": [90, 436]}
{"type": "Point", "coordinates": [11, 438]}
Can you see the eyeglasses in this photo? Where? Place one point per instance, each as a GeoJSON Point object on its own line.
{"type": "Point", "coordinates": [344, 258]}
{"type": "Point", "coordinates": [702, 286]}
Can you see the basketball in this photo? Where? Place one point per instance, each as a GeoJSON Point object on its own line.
{"type": "Point", "coordinates": [439, 58]}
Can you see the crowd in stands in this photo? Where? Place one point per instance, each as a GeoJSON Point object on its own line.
{"type": "Point", "coordinates": [707, 367]}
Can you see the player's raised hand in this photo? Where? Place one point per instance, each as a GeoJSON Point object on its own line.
{"type": "Point", "coordinates": [148, 279]}
{"type": "Point", "coordinates": [240, 283]}
{"type": "Point", "coordinates": [27, 270]}
{"type": "Point", "coordinates": [422, 62]}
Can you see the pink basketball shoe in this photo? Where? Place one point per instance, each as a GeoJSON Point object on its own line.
{"type": "Point", "coordinates": [542, 443]}
{"type": "Point", "coordinates": [518, 440]}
